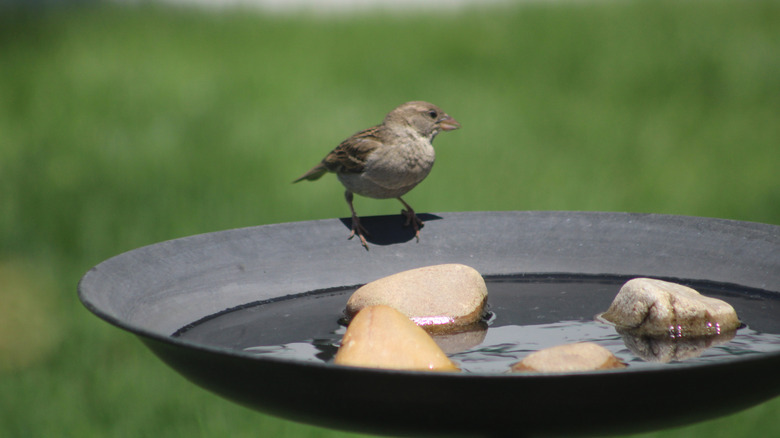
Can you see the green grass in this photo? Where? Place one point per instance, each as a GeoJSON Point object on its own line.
{"type": "Point", "coordinates": [124, 126]}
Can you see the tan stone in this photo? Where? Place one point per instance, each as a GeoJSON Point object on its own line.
{"type": "Point", "coordinates": [583, 356]}
{"type": "Point", "coordinates": [652, 307]}
{"type": "Point", "coordinates": [439, 297]}
{"type": "Point", "coordinates": [382, 337]}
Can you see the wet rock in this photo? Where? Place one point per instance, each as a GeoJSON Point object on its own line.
{"type": "Point", "coordinates": [382, 337]}
{"type": "Point", "coordinates": [583, 356]}
{"type": "Point", "coordinates": [439, 298]}
{"type": "Point", "coordinates": [649, 307]}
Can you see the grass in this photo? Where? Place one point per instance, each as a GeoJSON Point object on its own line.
{"type": "Point", "coordinates": [124, 126]}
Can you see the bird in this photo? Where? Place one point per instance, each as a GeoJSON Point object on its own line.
{"type": "Point", "coordinates": [387, 160]}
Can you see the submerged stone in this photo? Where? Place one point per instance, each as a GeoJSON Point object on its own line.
{"type": "Point", "coordinates": [582, 356]}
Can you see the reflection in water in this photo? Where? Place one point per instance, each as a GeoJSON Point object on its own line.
{"type": "Point", "coordinates": [494, 350]}
{"type": "Point", "coordinates": [527, 314]}
{"type": "Point", "coordinates": [671, 348]}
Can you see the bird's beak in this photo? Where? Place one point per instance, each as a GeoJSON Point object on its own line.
{"type": "Point", "coordinates": [449, 124]}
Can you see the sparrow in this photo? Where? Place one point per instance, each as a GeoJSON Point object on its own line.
{"type": "Point", "coordinates": [387, 160]}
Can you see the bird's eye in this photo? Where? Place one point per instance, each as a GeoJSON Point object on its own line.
{"type": "Point", "coordinates": [432, 114]}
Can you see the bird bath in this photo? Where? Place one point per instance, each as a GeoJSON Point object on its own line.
{"type": "Point", "coordinates": [162, 291]}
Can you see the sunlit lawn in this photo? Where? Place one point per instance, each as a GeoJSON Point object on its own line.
{"type": "Point", "coordinates": [124, 126]}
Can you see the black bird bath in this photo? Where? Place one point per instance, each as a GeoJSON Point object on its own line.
{"type": "Point", "coordinates": [155, 291]}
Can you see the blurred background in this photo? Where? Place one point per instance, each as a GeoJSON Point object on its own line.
{"type": "Point", "coordinates": [126, 123]}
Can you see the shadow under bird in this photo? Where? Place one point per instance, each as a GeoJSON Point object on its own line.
{"type": "Point", "coordinates": [387, 160]}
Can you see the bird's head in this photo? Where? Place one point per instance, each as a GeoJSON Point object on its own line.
{"type": "Point", "coordinates": [425, 118]}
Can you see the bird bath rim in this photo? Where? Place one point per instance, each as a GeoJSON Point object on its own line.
{"type": "Point", "coordinates": [189, 278]}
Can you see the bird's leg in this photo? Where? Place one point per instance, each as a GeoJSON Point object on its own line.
{"type": "Point", "coordinates": [356, 227]}
{"type": "Point", "coordinates": [411, 218]}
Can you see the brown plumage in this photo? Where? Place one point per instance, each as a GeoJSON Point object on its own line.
{"type": "Point", "coordinates": [387, 160]}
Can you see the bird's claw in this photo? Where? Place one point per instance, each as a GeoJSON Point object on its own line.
{"type": "Point", "coordinates": [414, 221]}
{"type": "Point", "coordinates": [360, 231]}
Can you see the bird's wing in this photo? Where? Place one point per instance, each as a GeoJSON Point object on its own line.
{"type": "Point", "coordinates": [351, 155]}
{"type": "Point", "coordinates": [348, 157]}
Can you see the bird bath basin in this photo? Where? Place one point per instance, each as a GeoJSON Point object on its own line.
{"type": "Point", "coordinates": [163, 291]}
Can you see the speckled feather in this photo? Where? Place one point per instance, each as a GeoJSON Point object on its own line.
{"type": "Point", "coordinates": [349, 156]}
{"type": "Point", "coordinates": [389, 159]}
{"type": "Point", "coordinates": [403, 141]}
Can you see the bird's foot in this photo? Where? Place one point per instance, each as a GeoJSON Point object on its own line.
{"type": "Point", "coordinates": [414, 221]}
{"type": "Point", "coordinates": [359, 230]}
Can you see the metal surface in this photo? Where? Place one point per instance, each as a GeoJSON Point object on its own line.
{"type": "Point", "coordinates": [155, 290]}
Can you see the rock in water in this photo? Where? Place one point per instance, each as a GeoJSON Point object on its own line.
{"type": "Point", "coordinates": [382, 337]}
{"type": "Point", "coordinates": [650, 307]}
{"type": "Point", "coordinates": [583, 356]}
{"type": "Point", "coordinates": [439, 297]}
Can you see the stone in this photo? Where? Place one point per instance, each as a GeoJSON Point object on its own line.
{"type": "Point", "coordinates": [649, 307]}
{"type": "Point", "coordinates": [382, 337]}
{"type": "Point", "coordinates": [439, 297]}
{"type": "Point", "coordinates": [582, 356]}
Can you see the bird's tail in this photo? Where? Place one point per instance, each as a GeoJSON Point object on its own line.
{"type": "Point", "coordinates": [313, 174]}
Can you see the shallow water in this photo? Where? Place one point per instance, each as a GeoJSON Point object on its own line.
{"type": "Point", "coordinates": [526, 314]}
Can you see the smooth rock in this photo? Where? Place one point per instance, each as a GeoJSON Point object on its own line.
{"type": "Point", "coordinates": [382, 337]}
{"type": "Point", "coordinates": [439, 297]}
{"type": "Point", "coordinates": [582, 356]}
{"type": "Point", "coordinates": [650, 307]}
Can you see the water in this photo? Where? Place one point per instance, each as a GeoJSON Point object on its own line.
{"type": "Point", "coordinates": [527, 313]}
